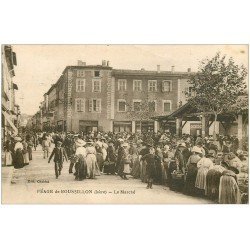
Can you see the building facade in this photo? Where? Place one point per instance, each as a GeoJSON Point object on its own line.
{"type": "Point", "coordinates": [10, 110]}
{"type": "Point", "coordinates": [98, 97]}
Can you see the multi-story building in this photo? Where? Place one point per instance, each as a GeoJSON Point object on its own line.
{"type": "Point", "coordinates": [10, 110]}
{"type": "Point", "coordinates": [98, 97]}
{"type": "Point", "coordinates": [140, 95]}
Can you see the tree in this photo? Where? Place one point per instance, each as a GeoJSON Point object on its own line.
{"type": "Point", "coordinates": [141, 111]}
{"type": "Point", "coordinates": [217, 85]}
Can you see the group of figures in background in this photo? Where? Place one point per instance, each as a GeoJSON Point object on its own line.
{"type": "Point", "coordinates": [204, 167]}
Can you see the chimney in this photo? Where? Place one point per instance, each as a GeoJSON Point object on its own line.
{"type": "Point", "coordinates": [172, 69]}
{"type": "Point", "coordinates": [81, 63]}
{"type": "Point", "coordinates": [103, 62]}
{"type": "Point", "coordinates": [158, 68]}
{"type": "Point", "coordinates": [108, 63]}
{"type": "Point", "coordinates": [142, 69]}
{"type": "Point", "coordinates": [189, 70]}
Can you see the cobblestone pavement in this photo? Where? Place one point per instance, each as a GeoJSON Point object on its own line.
{"type": "Point", "coordinates": [37, 184]}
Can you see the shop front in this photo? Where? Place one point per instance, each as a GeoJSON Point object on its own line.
{"type": "Point", "coordinates": [88, 126]}
{"type": "Point", "coordinates": [122, 126]}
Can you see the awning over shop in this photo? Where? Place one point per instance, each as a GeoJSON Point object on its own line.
{"type": "Point", "coordinates": [6, 115]}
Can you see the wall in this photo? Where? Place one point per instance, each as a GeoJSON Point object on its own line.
{"type": "Point", "coordinates": [102, 117]}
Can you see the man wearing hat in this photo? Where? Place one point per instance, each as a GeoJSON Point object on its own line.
{"type": "Point", "coordinates": [59, 154]}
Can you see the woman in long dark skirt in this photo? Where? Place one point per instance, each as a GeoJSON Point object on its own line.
{"type": "Point", "coordinates": [150, 159]}
{"type": "Point", "coordinates": [109, 165]}
{"type": "Point", "coordinates": [213, 182]}
{"type": "Point", "coordinates": [192, 171]}
{"type": "Point", "coordinates": [18, 160]}
{"type": "Point", "coordinates": [81, 169]}
{"type": "Point", "coordinates": [158, 166]}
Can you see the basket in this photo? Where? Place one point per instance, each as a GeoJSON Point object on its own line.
{"type": "Point", "coordinates": [177, 175]}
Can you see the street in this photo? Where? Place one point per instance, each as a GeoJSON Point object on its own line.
{"type": "Point", "coordinates": [39, 185]}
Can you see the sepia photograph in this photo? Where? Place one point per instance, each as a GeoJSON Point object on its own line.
{"type": "Point", "coordinates": [124, 124]}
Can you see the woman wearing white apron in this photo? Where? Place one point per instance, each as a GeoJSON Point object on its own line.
{"type": "Point", "coordinates": [92, 167]}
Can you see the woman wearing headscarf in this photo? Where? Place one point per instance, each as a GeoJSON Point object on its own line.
{"type": "Point", "coordinates": [229, 192]}
{"type": "Point", "coordinates": [92, 166]}
{"type": "Point", "coordinates": [203, 166]}
{"type": "Point", "coordinates": [192, 170]}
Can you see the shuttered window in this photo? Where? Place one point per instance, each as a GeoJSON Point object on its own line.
{"type": "Point", "coordinates": [96, 85]}
{"type": "Point", "coordinates": [80, 85]}
{"type": "Point", "coordinates": [80, 105]}
{"type": "Point", "coordinates": [95, 105]}
{"type": "Point", "coordinates": [167, 86]}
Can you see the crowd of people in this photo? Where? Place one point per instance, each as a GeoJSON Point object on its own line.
{"type": "Point", "coordinates": [204, 167]}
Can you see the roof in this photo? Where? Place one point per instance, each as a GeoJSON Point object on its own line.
{"type": "Point", "coordinates": [149, 72]}
{"type": "Point", "coordinates": [51, 88]}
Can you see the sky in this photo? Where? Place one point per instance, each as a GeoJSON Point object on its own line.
{"type": "Point", "coordinates": [39, 66]}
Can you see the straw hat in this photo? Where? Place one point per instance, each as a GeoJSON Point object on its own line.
{"type": "Point", "coordinates": [80, 143]}
{"type": "Point", "coordinates": [196, 149]}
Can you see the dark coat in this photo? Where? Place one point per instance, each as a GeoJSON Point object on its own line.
{"type": "Point", "coordinates": [151, 161]}
{"type": "Point", "coordinates": [58, 154]}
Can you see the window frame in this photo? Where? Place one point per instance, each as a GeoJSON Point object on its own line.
{"type": "Point", "coordinates": [92, 105]}
{"type": "Point", "coordinates": [136, 81]}
{"type": "Point", "coordinates": [170, 85]}
{"type": "Point", "coordinates": [82, 104]}
{"type": "Point", "coordinates": [82, 73]}
{"type": "Point", "coordinates": [119, 85]}
{"type": "Point", "coordinates": [84, 84]}
{"type": "Point", "coordinates": [118, 101]}
{"type": "Point", "coordinates": [136, 100]}
{"type": "Point", "coordinates": [167, 101]}
{"type": "Point", "coordinates": [93, 85]}
{"type": "Point", "coordinates": [151, 81]}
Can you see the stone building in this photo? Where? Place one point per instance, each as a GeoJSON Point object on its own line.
{"type": "Point", "coordinates": [10, 110]}
{"type": "Point", "coordinates": [98, 97]}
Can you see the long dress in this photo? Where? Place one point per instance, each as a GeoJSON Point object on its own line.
{"type": "Point", "coordinates": [143, 175]}
{"type": "Point", "coordinates": [229, 192]}
{"type": "Point", "coordinates": [109, 164]}
{"type": "Point", "coordinates": [25, 153]}
{"type": "Point", "coordinates": [150, 159]}
{"type": "Point", "coordinates": [165, 166]}
{"type": "Point", "coordinates": [203, 166]}
{"type": "Point", "coordinates": [126, 160]}
{"type": "Point", "coordinates": [99, 158]}
{"type": "Point", "coordinates": [81, 168]}
{"type": "Point", "coordinates": [213, 182]}
{"type": "Point", "coordinates": [29, 148]}
{"type": "Point", "coordinates": [92, 167]}
{"type": "Point", "coordinates": [191, 174]}
{"type": "Point", "coordinates": [135, 163]}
